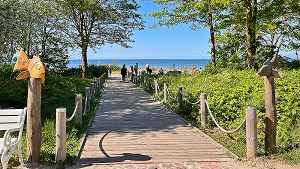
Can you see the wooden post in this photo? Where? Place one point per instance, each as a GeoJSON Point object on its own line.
{"type": "Point", "coordinates": [149, 84]}
{"type": "Point", "coordinates": [101, 81]}
{"type": "Point", "coordinates": [271, 118]}
{"type": "Point", "coordinates": [92, 90]}
{"type": "Point", "coordinates": [96, 87]}
{"type": "Point", "coordinates": [156, 87]}
{"type": "Point", "coordinates": [179, 95]}
{"type": "Point", "coordinates": [251, 132]}
{"type": "Point", "coordinates": [87, 100]}
{"type": "Point", "coordinates": [204, 111]}
{"type": "Point", "coordinates": [165, 92]}
{"type": "Point", "coordinates": [78, 119]}
{"type": "Point", "coordinates": [34, 124]}
{"type": "Point", "coordinates": [61, 150]}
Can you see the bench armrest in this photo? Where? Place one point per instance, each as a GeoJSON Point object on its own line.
{"type": "Point", "coordinates": [8, 141]}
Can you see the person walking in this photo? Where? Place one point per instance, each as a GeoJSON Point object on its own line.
{"type": "Point", "coordinates": [147, 67]}
{"type": "Point", "coordinates": [123, 72]}
{"type": "Point", "coordinates": [109, 70]}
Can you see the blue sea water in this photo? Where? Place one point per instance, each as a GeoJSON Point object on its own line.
{"type": "Point", "coordinates": [157, 63]}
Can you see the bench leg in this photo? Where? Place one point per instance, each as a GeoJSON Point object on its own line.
{"type": "Point", "coordinates": [4, 160]}
{"type": "Point", "coordinates": [19, 152]}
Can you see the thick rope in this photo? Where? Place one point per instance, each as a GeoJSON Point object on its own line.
{"type": "Point", "coordinates": [151, 84]}
{"type": "Point", "coordinates": [222, 129]}
{"type": "Point", "coordinates": [174, 98]}
{"type": "Point", "coordinates": [188, 100]}
{"type": "Point", "coordinates": [76, 107]}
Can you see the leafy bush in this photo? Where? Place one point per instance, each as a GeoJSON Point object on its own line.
{"type": "Point", "coordinates": [92, 71]}
{"type": "Point", "coordinates": [230, 92]}
{"type": "Point", "coordinates": [56, 92]}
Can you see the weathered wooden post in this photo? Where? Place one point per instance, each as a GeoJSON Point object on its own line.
{"type": "Point", "coordinates": [96, 87]}
{"type": "Point", "coordinates": [101, 81]}
{"type": "Point", "coordinates": [35, 71]}
{"type": "Point", "coordinates": [251, 132]}
{"type": "Point", "coordinates": [92, 90]}
{"type": "Point", "coordinates": [179, 94]}
{"type": "Point", "coordinates": [87, 100]}
{"type": "Point", "coordinates": [78, 119]}
{"type": "Point", "coordinates": [149, 84]}
{"type": "Point", "coordinates": [271, 118]}
{"type": "Point", "coordinates": [61, 147]}
{"type": "Point", "coordinates": [156, 87]}
{"type": "Point", "coordinates": [34, 124]}
{"type": "Point", "coordinates": [165, 91]}
{"type": "Point", "coordinates": [204, 111]}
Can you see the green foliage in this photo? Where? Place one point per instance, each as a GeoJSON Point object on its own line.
{"type": "Point", "coordinates": [229, 92]}
{"type": "Point", "coordinates": [93, 71]}
{"type": "Point", "coordinates": [57, 92]}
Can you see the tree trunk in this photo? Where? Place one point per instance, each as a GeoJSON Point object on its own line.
{"type": "Point", "coordinates": [44, 43]}
{"type": "Point", "coordinates": [84, 61]}
{"type": "Point", "coordinates": [297, 57]}
{"type": "Point", "coordinates": [250, 33]}
{"type": "Point", "coordinates": [212, 40]}
{"type": "Point", "coordinates": [34, 125]}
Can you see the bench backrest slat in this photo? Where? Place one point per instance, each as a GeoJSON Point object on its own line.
{"type": "Point", "coordinates": [9, 126]}
{"type": "Point", "coordinates": [10, 118]}
{"type": "Point", "coordinates": [11, 112]}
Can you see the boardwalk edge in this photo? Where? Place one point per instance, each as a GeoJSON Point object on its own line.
{"type": "Point", "coordinates": [84, 137]}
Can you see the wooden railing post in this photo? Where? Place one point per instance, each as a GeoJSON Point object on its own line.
{"type": "Point", "coordinates": [204, 111]}
{"type": "Point", "coordinates": [92, 90]}
{"type": "Point", "coordinates": [165, 92]}
{"type": "Point", "coordinates": [251, 132]}
{"type": "Point", "coordinates": [61, 150]}
{"type": "Point", "coordinates": [179, 95]}
{"type": "Point", "coordinates": [156, 87]}
{"type": "Point", "coordinates": [87, 100]}
{"type": "Point", "coordinates": [78, 119]}
{"type": "Point", "coordinates": [96, 87]}
{"type": "Point", "coordinates": [101, 81]}
{"type": "Point", "coordinates": [149, 84]}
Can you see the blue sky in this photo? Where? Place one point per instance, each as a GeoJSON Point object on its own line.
{"type": "Point", "coordinates": [176, 42]}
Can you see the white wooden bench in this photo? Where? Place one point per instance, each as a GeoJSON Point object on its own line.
{"type": "Point", "coordinates": [11, 121]}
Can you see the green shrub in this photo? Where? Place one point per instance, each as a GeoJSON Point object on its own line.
{"type": "Point", "coordinates": [229, 92]}
{"type": "Point", "coordinates": [56, 92]}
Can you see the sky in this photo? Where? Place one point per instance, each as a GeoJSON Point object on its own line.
{"type": "Point", "coordinates": [176, 42]}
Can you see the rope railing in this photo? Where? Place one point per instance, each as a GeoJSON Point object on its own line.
{"type": "Point", "coordinates": [151, 84]}
{"type": "Point", "coordinates": [185, 98]}
{"type": "Point", "coordinates": [174, 98]}
{"type": "Point", "coordinates": [222, 129]}
{"type": "Point", "coordinates": [250, 120]}
{"type": "Point", "coordinates": [74, 113]}
{"type": "Point", "coordinates": [61, 120]}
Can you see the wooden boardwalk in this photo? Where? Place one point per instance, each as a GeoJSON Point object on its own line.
{"type": "Point", "coordinates": [131, 127]}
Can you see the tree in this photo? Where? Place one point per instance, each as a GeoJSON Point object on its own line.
{"type": "Point", "coordinates": [202, 13]}
{"type": "Point", "coordinates": [9, 16]}
{"type": "Point", "coordinates": [93, 23]}
{"type": "Point", "coordinates": [278, 28]}
{"type": "Point", "coordinates": [251, 11]}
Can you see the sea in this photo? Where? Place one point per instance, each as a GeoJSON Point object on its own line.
{"type": "Point", "coordinates": [157, 63]}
